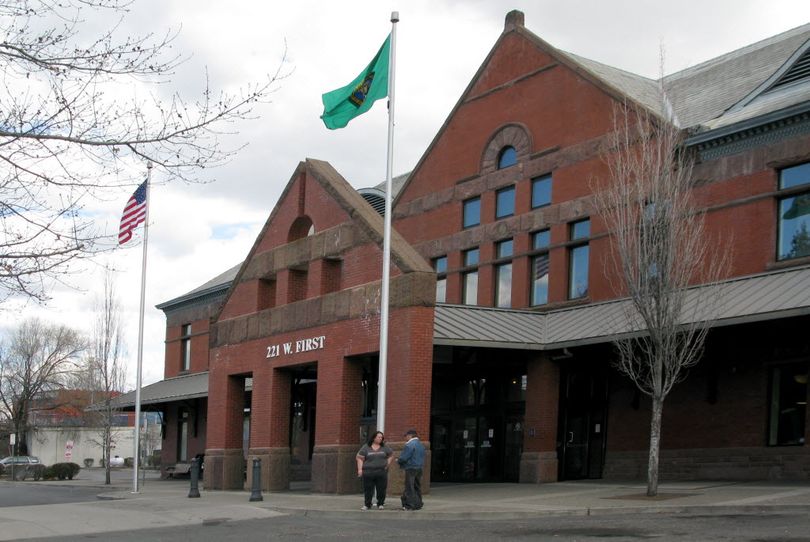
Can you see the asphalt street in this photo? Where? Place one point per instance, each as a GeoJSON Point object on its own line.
{"type": "Point", "coordinates": [22, 494]}
{"type": "Point", "coordinates": [389, 526]}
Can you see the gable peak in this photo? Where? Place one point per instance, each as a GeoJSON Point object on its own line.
{"type": "Point", "coordinates": [514, 19]}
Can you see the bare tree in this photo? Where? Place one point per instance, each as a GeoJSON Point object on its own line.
{"type": "Point", "coordinates": [37, 360]}
{"type": "Point", "coordinates": [77, 117]}
{"type": "Point", "coordinates": [660, 248]}
{"type": "Point", "coordinates": [104, 370]}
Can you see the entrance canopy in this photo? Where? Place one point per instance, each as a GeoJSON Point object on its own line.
{"type": "Point", "coordinates": [768, 296]}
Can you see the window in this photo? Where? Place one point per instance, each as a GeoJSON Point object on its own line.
{"type": "Point", "coordinates": [185, 347]}
{"type": "Point", "coordinates": [578, 260]}
{"type": "Point", "coordinates": [794, 213]}
{"type": "Point", "coordinates": [505, 202]}
{"type": "Point", "coordinates": [472, 212]}
{"type": "Point", "coordinates": [507, 157]}
{"type": "Point", "coordinates": [469, 294]}
{"type": "Point", "coordinates": [788, 405]}
{"type": "Point", "coordinates": [182, 436]}
{"type": "Point", "coordinates": [541, 191]}
{"type": "Point", "coordinates": [539, 271]}
{"type": "Point", "coordinates": [440, 265]}
{"type": "Point", "coordinates": [503, 274]}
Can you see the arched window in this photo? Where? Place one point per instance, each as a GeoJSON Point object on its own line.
{"type": "Point", "coordinates": [301, 227]}
{"type": "Point", "coordinates": [507, 157]}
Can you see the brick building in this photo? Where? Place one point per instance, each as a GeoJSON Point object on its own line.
{"type": "Point", "coordinates": [502, 310]}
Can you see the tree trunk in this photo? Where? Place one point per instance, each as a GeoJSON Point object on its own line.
{"type": "Point", "coordinates": [655, 446]}
{"type": "Point", "coordinates": [107, 448]}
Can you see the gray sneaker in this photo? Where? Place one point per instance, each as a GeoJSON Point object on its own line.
{"type": "Point", "coordinates": [380, 507]}
{"type": "Point", "coordinates": [365, 508]}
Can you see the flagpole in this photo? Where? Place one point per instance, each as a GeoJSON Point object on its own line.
{"type": "Point", "coordinates": [139, 371]}
{"type": "Point", "coordinates": [386, 266]}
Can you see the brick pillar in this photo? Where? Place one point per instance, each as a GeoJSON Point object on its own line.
{"type": "Point", "coordinates": [270, 428]}
{"type": "Point", "coordinates": [224, 460]}
{"type": "Point", "coordinates": [337, 429]}
{"type": "Point", "coordinates": [410, 372]}
{"type": "Point", "coordinates": [538, 462]}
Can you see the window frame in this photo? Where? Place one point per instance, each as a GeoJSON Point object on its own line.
{"type": "Point", "coordinates": [788, 190]}
{"type": "Point", "coordinates": [535, 182]}
{"type": "Point", "coordinates": [441, 278]}
{"type": "Point", "coordinates": [539, 252]}
{"type": "Point", "coordinates": [185, 347]}
{"type": "Point", "coordinates": [501, 154]}
{"type": "Point", "coordinates": [578, 241]}
{"type": "Point", "coordinates": [470, 270]}
{"type": "Point", "coordinates": [503, 259]}
{"type": "Point", "coordinates": [498, 193]}
{"type": "Point", "coordinates": [464, 204]}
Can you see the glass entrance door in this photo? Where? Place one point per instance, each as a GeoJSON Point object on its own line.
{"type": "Point", "coordinates": [582, 427]}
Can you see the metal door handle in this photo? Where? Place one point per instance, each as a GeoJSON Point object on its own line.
{"type": "Point", "coordinates": [570, 438]}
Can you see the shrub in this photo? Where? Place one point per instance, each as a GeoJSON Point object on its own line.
{"type": "Point", "coordinates": [65, 470]}
{"type": "Point", "coordinates": [129, 461]}
{"type": "Point", "coordinates": [36, 471]}
{"type": "Point", "coordinates": [49, 473]}
{"type": "Point", "coordinates": [2, 469]}
{"type": "Point", "coordinates": [88, 462]}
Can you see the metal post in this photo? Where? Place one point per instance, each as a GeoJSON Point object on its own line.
{"type": "Point", "coordinates": [256, 490]}
{"type": "Point", "coordinates": [194, 492]}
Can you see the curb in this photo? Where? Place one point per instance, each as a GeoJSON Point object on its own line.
{"type": "Point", "coordinates": [688, 510]}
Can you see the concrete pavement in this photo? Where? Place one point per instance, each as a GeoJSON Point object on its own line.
{"type": "Point", "coordinates": [163, 503]}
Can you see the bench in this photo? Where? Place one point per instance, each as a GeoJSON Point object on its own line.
{"type": "Point", "coordinates": [178, 468]}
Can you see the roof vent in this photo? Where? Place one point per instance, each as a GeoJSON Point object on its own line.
{"type": "Point", "coordinates": [375, 198]}
{"type": "Point", "coordinates": [799, 71]}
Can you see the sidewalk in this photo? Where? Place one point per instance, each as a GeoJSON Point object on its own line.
{"type": "Point", "coordinates": [163, 503]}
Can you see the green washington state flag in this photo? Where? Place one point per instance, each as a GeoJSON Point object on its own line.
{"type": "Point", "coordinates": [342, 105]}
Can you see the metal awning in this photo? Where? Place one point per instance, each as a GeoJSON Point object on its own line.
{"type": "Point", "coordinates": [768, 296]}
{"type": "Point", "coordinates": [179, 388]}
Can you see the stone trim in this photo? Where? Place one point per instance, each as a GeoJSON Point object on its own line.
{"type": "Point", "coordinates": [515, 135]}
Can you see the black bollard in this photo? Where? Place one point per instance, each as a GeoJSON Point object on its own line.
{"type": "Point", "coordinates": [194, 492]}
{"type": "Point", "coordinates": [256, 490]}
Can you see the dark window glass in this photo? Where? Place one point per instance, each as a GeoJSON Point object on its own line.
{"type": "Point", "coordinates": [471, 257]}
{"type": "Point", "coordinates": [541, 239]}
{"type": "Point", "coordinates": [472, 212]}
{"type": "Point", "coordinates": [440, 264]}
{"type": "Point", "coordinates": [504, 249]}
{"type": "Point", "coordinates": [470, 287]}
{"type": "Point", "coordinates": [185, 347]}
{"type": "Point", "coordinates": [540, 279]}
{"type": "Point", "coordinates": [794, 214]}
{"type": "Point", "coordinates": [788, 406]}
{"type": "Point", "coordinates": [507, 157]}
{"type": "Point", "coordinates": [581, 229]}
{"type": "Point", "coordinates": [503, 289]}
{"type": "Point", "coordinates": [541, 191]}
{"type": "Point", "coordinates": [578, 279]}
{"type": "Point", "coordinates": [505, 202]}
{"type": "Point", "coordinates": [795, 176]}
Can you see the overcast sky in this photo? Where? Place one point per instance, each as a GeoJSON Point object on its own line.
{"type": "Point", "coordinates": [199, 230]}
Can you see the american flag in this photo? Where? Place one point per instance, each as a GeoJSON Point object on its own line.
{"type": "Point", "coordinates": [134, 214]}
{"type": "Point", "coordinates": [540, 266]}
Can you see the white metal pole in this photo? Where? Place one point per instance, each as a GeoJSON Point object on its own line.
{"type": "Point", "coordinates": [139, 371]}
{"type": "Point", "coordinates": [386, 266]}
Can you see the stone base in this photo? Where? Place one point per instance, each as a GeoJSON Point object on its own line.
{"type": "Point", "coordinates": [538, 467]}
{"type": "Point", "coordinates": [777, 463]}
{"type": "Point", "coordinates": [224, 469]}
{"type": "Point", "coordinates": [275, 468]}
{"type": "Point", "coordinates": [334, 469]}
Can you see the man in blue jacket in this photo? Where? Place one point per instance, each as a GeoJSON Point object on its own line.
{"type": "Point", "coordinates": [412, 459]}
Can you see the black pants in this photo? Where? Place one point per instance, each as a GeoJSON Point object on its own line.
{"type": "Point", "coordinates": [412, 498]}
{"type": "Point", "coordinates": [375, 480]}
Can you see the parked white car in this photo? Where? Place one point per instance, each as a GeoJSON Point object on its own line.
{"type": "Point", "coordinates": [116, 461]}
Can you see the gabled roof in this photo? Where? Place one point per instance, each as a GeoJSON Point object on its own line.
{"type": "Point", "coordinates": [403, 255]}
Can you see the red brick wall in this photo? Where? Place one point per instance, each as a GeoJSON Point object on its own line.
{"type": "Point", "coordinates": [173, 362]}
